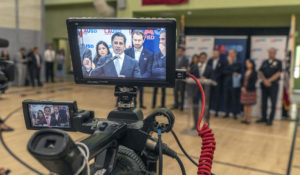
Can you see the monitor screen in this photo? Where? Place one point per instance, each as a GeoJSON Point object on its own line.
{"type": "Point", "coordinates": [49, 116]}
{"type": "Point", "coordinates": [123, 51]}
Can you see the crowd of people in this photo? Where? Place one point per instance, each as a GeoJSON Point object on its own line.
{"type": "Point", "coordinates": [28, 65]}
{"type": "Point", "coordinates": [235, 84]}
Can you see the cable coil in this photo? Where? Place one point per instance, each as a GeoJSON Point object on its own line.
{"type": "Point", "coordinates": [208, 140]}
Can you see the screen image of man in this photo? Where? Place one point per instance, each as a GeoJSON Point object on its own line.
{"type": "Point", "coordinates": [57, 117]}
{"type": "Point", "coordinates": [159, 62]}
{"type": "Point", "coordinates": [143, 56]}
{"type": "Point", "coordinates": [117, 64]}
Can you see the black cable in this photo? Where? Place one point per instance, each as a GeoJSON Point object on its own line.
{"type": "Point", "coordinates": [182, 149]}
{"type": "Point", "coordinates": [160, 167]}
{"type": "Point", "coordinates": [14, 156]}
{"type": "Point", "coordinates": [181, 165]}
{"type": "Point", "coordinates": [11, 113]}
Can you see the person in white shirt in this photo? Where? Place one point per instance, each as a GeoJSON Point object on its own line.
{"type": "Point", "coordinates": [49, 57]}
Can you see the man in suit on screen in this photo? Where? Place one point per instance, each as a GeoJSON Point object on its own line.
{"type": "Point", "coordinates": [117, 64]}
{"type": "Point", "coordinates": [143, 56]}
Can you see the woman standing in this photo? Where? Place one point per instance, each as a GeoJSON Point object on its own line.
{"type": "Point", "coordinates": [40, 119]}
{"type": "Point", "coordinates": [60, 64]}
{"type": "Point", "coordinates": [248, 96]}
{"type": "Point", "coordinates": [101, 51]}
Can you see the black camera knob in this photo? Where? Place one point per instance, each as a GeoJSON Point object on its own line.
{"type": "Point", "coordinates": [102, 126]}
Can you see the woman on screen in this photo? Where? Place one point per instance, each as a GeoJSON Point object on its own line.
{"type": "Point", "coordinates": [40, 120]}
{"type": "Point", "coordinates": [101, 51]}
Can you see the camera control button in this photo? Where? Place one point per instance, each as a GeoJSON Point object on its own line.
{"type": "Point", "coordinates": [102, 126]}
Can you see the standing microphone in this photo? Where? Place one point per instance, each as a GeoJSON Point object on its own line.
{"type": "Point", "coordinates": [4, 43]}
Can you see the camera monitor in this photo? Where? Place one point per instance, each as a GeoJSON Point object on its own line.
{"type": "Point", "coordinates": [127, 52]}
{"type": "Point", "coordinates": [46, 114]}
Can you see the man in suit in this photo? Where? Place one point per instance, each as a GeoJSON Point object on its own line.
{"type": "Point", "coordinates": [117, 64]}
{"type": "Point", "coordinates": [159, 68]}
{"type": "Point", "coordinates": [34, 65]}
{"type": "Point", "coordinates": [47, 112]}
{"type": "Point", "coordinates": [143, 56]}
{"type": "Point", "coordinates": [56, 118]}
{"type": "Point", "coordinates": [182, 62]}
{"type": "Point", "coordinates": [201, 71]}
{"type": "Point", "coordinates": [217, 66]}
{"type": "Point", "coordinates": [232, 85]}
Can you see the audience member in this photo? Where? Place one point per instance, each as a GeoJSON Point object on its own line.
{"type": "Point", "coordinates": [232, 85]}
{"type": "Point", "coordinates": [21, 66]}
{"type": "Point", "coordinates": [60, 64]}
{"type": "Point", "coordinates": [49, 57]}
{"type": "Point", "coordinates": [269, 72]}
{"type": "Point", "coordinates": [34, 66]}
{"type": "Point", "coordinates": [217, 65]}
{"type": "Point", "coordinates": [163, 97]}
{"type": "Point", "coordinates": [182, 62]}
{"type": "Point", "coordinates": [248, 96]}
{"type": "Point", "coordinates": [201, 71]}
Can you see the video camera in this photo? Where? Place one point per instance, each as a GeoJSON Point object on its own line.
{"type": "Point", "coordinates": [7, 69]}
{"type": "Point", "coordinates": [122, 143]}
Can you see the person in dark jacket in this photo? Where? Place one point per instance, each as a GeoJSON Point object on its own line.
{"type": "Point", "coordinates": [182, 62]}
{"type": "Point", "coordinates": [248, 96]}
{"type": "Point", "coordinates": [231, 81]}
{"type": "Point", "coordinates": [201, 71]}
{"type": "Point", "coordinates": [217, 66]}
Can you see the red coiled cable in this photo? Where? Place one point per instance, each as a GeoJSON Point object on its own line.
{"type": "Point", "coordinates": [208, 139]}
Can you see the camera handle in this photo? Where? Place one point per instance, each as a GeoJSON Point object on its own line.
{"type": "Point", "coordinates": [126, 111]}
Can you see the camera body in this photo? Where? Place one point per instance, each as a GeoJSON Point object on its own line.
{"type": "Point", "coordinates": [112, 140]}
{"type": "Point", "coordinates": [122, 143]}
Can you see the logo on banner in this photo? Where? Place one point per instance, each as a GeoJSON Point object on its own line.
{"type": "Point", "coordinates": [202, 48]}
{"type": "Point", "coordinates": [205, 39]}
{"type": "Point", "coordinates": [259, 40]}
{"type": "Point", "coordinates": [90, 46]}
{"type": "Point", "coordinates": [111, 31]}
{"type": "Point", "coordinates": [149, 34]}
{"type": "Point", "coordinates": [276, 40]}
{"type": "Point", "coordinates": [190, 48]}
{"type": "Point", "coordinates": [192, 39]}
{"type": "Point", "coordinates": [256, 50]}
{"type": "Point", "coordinates": [86, 31]}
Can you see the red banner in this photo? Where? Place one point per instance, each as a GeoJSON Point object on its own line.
{"type": "Point", "coordinates": [160, 2]}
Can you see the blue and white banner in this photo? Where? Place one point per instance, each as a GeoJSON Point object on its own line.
{"type": "Point", "coordinates": [259, 53]}
{"type": "Point", "coordinates": [198, 44]}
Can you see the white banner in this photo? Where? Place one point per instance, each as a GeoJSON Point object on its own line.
{"type": "Point", "coordinates": [197, 44]}
{"type": "Point", "coordinates": [259, 53]}
{"type": "Point", "coordinates": [90, 38]}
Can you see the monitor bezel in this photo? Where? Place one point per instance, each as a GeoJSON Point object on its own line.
{"type": "Point", "coordinates": [169, 24]}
